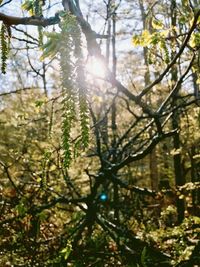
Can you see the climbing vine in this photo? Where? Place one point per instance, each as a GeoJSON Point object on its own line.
{"type": "Point", "coordinates": [67, 44]}
{"type": "Point", "coordinates": [73, 84]}
{"type": "Point", "coordinates": [5, 44]}
{"type": "Point", "coordinates": [38, 12]}
{"type": "Point", "coordinates": [34, 7]}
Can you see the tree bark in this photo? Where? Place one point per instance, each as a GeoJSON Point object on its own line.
{"type": "Point", "coordinates": [179, 178]}
{"type": "Point", "coordinates": [153, 167]}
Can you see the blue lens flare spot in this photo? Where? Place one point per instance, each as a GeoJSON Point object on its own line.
{"type": "Point", "coordinates": [103, 197]}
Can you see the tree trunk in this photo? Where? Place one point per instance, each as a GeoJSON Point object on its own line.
{"type": "Point", "coordinates": [179, 178]}
{"type": "Point", "coordinates": [153, 167]}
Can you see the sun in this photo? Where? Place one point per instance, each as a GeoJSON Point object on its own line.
{"type": "Point", "coordinates": [96, 67]}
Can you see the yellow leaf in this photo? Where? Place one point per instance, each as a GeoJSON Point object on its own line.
{"type": "Point", "coordinates": [157, 24]}
{"type": "Point", "coordinates": [53, 168]}
{"type": "Point", "coordinates": [38, 179]}
{"type": "Point", "coordinates": [197, 156]}
{"type": "Point", "coordinates": [146, 36]}
{"type": "Point", "coordinates": [175, 151]}
{"type": "Point", "coordinates": [142, 40]}
{"type": "Point", "coordinates": [165, 33]}
{"type": "Point", "coordinates": [136, 40]}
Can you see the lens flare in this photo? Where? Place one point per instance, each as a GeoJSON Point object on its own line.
{"type": "Point", "coordinates": [96, 67]}
{"type": "Point", "coordinates": [103, 197]}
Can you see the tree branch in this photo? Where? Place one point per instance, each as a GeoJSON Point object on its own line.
{"type": "Point", "coordinates": [142, 154]}
{"type": "Point", "coordinates": [184, 44]}
{"type": "Point", "coordinates": [34, 21]}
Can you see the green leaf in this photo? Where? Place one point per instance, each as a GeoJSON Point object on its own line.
{"type": "Point", "coordinates": [142, 40]}
{"type": "Point", "coordinates": [50, 51]}
{"type": "Point", "coordinates": [195, 39]}
{"type": "Point", "coordinates": [155, 38]}
{"type": "Point", "coordinates": [28, 6]}
{"type": "Point", "coordinates": [39, 103]}
{"type": "Point", "coordinates": [67, 250]}
{"type": "Point", "coordinates": [144, 257]}
{"type": "Point", "coordinates": [21, 209]}
{"type": "Point", "coordinates": [51, 47]}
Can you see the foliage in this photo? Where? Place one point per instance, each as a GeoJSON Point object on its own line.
{"type": "Point", "coordinates": [5, 43]}
{"type": "Point", "coordinates": [128, 194]}
{"type": "Point", "coordinates": [179, 241]}
{"type": "Point", "coordinates": [68, 45]}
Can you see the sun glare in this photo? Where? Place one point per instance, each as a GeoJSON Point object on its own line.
{"type": "Point", "coordinates": [96, 67]}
